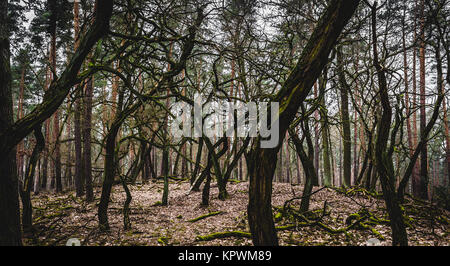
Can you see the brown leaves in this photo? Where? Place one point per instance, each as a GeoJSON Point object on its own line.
{"type": "Point", "coordinates": [59, 218]}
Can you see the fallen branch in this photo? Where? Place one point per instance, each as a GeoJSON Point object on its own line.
{"type": "Point", "coordinates": [238, 233]}
{"type": "Point", "coordinates": [205, 216]}
{"type": "Point", "coordinates": [223, 235]}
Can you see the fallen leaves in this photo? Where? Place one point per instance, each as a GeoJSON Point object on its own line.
{"type": "Point", "coordinates": [58, 218]}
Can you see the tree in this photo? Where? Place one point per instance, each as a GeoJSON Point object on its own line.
{"type": "Point", "coordinates": [10, 233]}
{"type": "Point", "coordinates": [77, 116]}
{"type": "Point", "coordinates": [383, 153]}
{"type": "Point", "coordinates": [293, 92]}
{"type": "Point", "coordinates": [423, 180]}
{"type": "Point", "coordinates": [346, 135]}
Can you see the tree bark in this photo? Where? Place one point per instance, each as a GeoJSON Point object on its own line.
{"type": "Point", "coordinates": [325, 132]}
{"type": "Point", "coordinates": [25, 190]}
{"type": "Point", "coordinates": [77, 114]}
{"type": "Point", "coordinates": [87, 124]}
{"type": "Point", "coordinates": [316, 140]}
{"type": "Point", "coordinates": [345, 117]}
{"type": "Point", "coordinates": [20, 147]}
{"type": "Point", "coordinates": [57, 147]}
{"type": "Point", "coordinates": [423, 180]}
{"type": "Point", "coordinates": [383, 156]}
{"type": "Point", "coordinates": [10, 233]}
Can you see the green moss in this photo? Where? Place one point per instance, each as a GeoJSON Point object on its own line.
{"type": "Point", "coordinates": [158, 203]}
{"type": "Point", "coordinates": [377, 234]}
{"type": "Point", "coordinates": [163, 240]}
{"type": "Point", "coordinates": [223, 235]}
{"type": "Point", "coordinates": [278, 217]}
{"type": "Point", "coordinates": [285, 227]}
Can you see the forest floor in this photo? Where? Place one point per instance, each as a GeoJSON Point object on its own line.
{"type": "Point", "coordinates": [349, 218]}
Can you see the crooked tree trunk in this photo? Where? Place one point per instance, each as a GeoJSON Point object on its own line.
{"type": "Point", "coordinates": [110, 167]}
{"type": "Point", "coordinates": [25, 191]}
{"type": "Point", "coordinates": [262, 162]}
{"type": "Point", "coordinates": [383, 156]}
{"type": "Point", "coordinates": [109, 173]}
{"type": "Point", "coordinates": [308, 164]}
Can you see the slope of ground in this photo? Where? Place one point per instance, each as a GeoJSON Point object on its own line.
{"type": "Point", "coordinates": [336, 218]}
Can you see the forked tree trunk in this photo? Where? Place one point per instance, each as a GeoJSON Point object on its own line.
{"type": "Point", "coordinates": [25, 190]}
{"type": "Point", "coordinates": [308, 164]}
{"type": "Point", "coordinates": [383, 156]}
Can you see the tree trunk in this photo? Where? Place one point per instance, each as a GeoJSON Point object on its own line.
{"type": "Point", "coordinates": [77, 115]}
{"type": "Point", "coordinates": [316, 140]}
{"type": "Point", "coordinates": [197, 161]}
{"type": "Point", "coordinates": [206, 187]}
{"type": "Point", "coordinates": [109, 174]}
{"type": "Point", "coordinates": [87, 124]}
{"type": "Point", "coordinates": [416, 177]}
{"type": "Point", "coordinates": [345, 117]}
{"type": "Point", "coordinates": [57, 147]}
{"type": "Point", "coordinates": [10, 234]}
{"type": "Point", "coordinates": [325, 132]}
{"type": "Point", "coordinates": [78, 146]}
{"type": "Point", "coordinates": [447, 137]}
{"type": "Point", "coordinates": [423, 180]}
{"type": "Point", "coordinates": [383, 156]}
{"type": "Point", "coordinates": [165, 173]}
{"type": "Point", "coordinates": [20, 147]}
{"type": "Point", "coordinates": [308, 164]}
{"type": "Point", "coordinates": [28, 182]}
